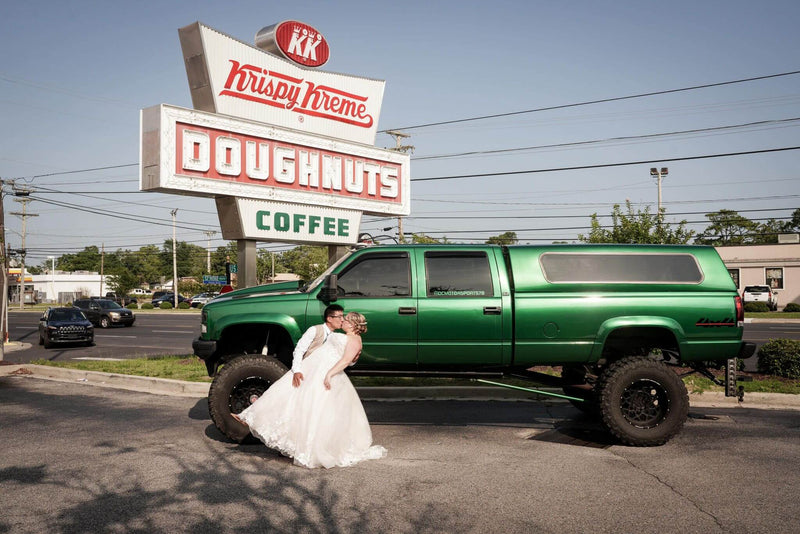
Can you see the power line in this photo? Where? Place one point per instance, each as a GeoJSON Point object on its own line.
{"type": "Point", "coordinates": [412, 217]}
{"type": "Point", "coordinates": [607, 140]}
{"type": "Point", "coordinates": [108, 213]}
{"type": "Point", "coordinates": [604, 165]}
{"type": "Point", "coordinates": [598, 101]}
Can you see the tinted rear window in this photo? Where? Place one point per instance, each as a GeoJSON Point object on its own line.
{"type": "Point", "coordinates": [458, 274]}
{"type": "Point", "coordinates": [621, 268]}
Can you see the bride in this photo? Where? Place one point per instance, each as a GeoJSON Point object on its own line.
{"type": "Point", "coordinates": [320, 423]}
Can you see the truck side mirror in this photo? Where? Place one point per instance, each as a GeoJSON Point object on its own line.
{"type": "Point", "coordinates": [329, 290]}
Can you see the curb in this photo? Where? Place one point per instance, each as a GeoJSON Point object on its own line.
{"type": "Point", "coordinates": [180, 388]}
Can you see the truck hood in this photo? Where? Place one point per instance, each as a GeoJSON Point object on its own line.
{"type": "Point", "coordinates": [278, 287]}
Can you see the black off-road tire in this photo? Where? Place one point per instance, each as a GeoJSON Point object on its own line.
{"type": "Point", "coordinates": [235, 385]}
{"type": "Point", "coordinates": [642, 401]}
{"type": "Point", "coordinates": [573, 375]}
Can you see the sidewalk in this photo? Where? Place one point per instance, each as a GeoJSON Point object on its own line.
{"type": "Point", "coordinates": [178, 388]}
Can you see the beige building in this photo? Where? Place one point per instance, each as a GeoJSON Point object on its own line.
{"type": "Point", "coordinates": [777, 266]}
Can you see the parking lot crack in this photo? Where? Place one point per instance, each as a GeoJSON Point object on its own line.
{"type": "Point", "coordinates": [677, 492]}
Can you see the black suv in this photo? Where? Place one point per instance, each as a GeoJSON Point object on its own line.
{"type": "Point", "coordinates": [65, 325]}
{"type": "Point", "coordinates": [105, 313]}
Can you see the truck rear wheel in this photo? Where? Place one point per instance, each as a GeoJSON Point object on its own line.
{"type": "Point", "coordinates": [642, 401]}
{"type": "Point", "coordinates": [237, 384]}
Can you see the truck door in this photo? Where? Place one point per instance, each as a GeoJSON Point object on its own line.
{"type": "Point", "coordinates": [460, 309]}
{"type": "Point", "coordinates": [378, 285]}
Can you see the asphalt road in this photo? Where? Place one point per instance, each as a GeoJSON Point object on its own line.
{"type": "Point", "coordinates": [78, 458]}
{"type": "Point", "coordinates": [173, 333]}
{"type": "Point", "coordinates": [152, 334]}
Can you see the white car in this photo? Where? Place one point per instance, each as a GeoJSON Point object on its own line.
{"type": "Point", "coordinates": [760, 294]}
{"type": "Point", "coordinates": [202, 298]}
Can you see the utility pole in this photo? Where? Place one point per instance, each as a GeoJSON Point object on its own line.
{"type": "Point", "coordinates": [209, 235]}
{"type": "Point", "coordinates": [102, 267]}
{"type": "Point", "coordinates": [24, 200]}
{"type": "Point", "coordinates": [174, 261]}
{"type": "Point", "coordinates": [4, 268]}
{"type": "Point", "coordinates": [400, 147]}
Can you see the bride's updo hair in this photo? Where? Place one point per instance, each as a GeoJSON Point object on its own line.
{"type": "Point", "coordinates": [358, 321]}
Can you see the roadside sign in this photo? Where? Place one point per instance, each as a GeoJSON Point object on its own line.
{"type": "Point", "coordinates": [214, 279]}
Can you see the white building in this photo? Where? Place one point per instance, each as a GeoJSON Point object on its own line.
{"type": "Point", "coordinates": [58, 287]}
{"type": "Point", "coordinates": [776, 266]}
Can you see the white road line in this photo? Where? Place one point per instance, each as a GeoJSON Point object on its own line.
{"type": "Point", "coordinates": [173, 331]}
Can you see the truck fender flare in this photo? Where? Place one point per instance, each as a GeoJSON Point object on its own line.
{"type": "Point", "coordinates": [266, 319]}
{"type": "Point", "coordinates": [634, 321]}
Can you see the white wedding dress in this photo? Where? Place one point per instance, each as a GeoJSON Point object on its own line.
{"type": "Point", "coordinates": [315, 426]}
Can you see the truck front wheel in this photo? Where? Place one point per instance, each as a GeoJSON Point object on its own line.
{"type": "Point", "coordinates": [642, 401]}
{"type": "Point", "coordinates": [237, 384]}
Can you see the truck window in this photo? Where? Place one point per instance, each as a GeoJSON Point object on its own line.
{"type": "Point", "coordinates": [629, 268]}
{"type": "Point", "coordinates": [458, 274]}
{"type": "Point", "coordinates": [377, 275]}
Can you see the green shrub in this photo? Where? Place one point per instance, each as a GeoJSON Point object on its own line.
{"type": "Point", "coordinates": [792, 307]}
{"type": "Point", "coordinates": [166, 305]}
{"type": "Point", "coordinates": [183, 305]}
{"type": "Point", "coordinates": [756, 307]}
{"type": "Point", "coordinates": [780, 357]}
{"type": "Point", "coordinates": [147, 306]}
{"type": "Point", "coordinates": [132, 306]}
{"type": "Point", "coordinates": [200, 306]}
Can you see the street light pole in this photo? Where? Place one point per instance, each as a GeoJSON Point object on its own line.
{"type": "Point", "coordinates": [659, 175]}
{"type": "Point", "coordinates": [174, 261]}
{"type": "Point", "coordinates": [53, 277]}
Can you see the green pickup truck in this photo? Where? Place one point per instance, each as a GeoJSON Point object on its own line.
{"type": "Point", "coordinates": [618, 319]}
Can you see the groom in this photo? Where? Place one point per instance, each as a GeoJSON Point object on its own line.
{"type": "Point", "coordinates": [314, 337]}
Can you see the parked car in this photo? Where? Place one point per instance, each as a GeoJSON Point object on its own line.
{"type": "Point", "coordinates": [169, 297]}
{"type": "Point", "coordinates": [122, 300]}
{"type": "Point", "coordinates": [202, 298]}
{"type": "Point", "coordinates": [65, 325]}
{"type": "Point", "coordinates": [139, 292]}
{"type": "Point", "coordinates": [760, 294]}
{"type": "Point", "coordinates": [104, 312]}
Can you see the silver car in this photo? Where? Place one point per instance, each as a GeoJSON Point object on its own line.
{"type": "Point", "coordinates": [202, 298]}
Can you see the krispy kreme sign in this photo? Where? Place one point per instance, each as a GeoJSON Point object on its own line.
{"type": "Point", "coordinates": [204, 154]}
{"type": "Point", "coordinates": [230, 77]}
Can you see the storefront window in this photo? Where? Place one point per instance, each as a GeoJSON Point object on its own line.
{"type": "Point", "coordinates": [735, 276]}
{"type": "Point", "coordinates": [774, 276]}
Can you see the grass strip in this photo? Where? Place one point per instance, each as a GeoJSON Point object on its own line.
{"type": "Point", "coordinates": [192, 369]}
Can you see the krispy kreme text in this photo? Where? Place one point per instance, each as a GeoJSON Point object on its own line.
{"type": "Point", "coordinates": [264, 86]}
{"type": "Point", "coordinates": [234, 157]}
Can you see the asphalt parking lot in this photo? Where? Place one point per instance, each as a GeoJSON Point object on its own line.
{"type": "Point", "coordinates": [84, 458]}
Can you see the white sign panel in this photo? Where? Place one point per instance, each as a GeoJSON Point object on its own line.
{"type": "Point", "coordinates": [230, 77]}
{"type": "Point", "coordinates": [191, 152]}
{"type": "Point", "coordinates": [243, 218]}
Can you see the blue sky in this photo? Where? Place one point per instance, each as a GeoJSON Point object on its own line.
{"type": "Point", "coordinates": [74, 75]}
